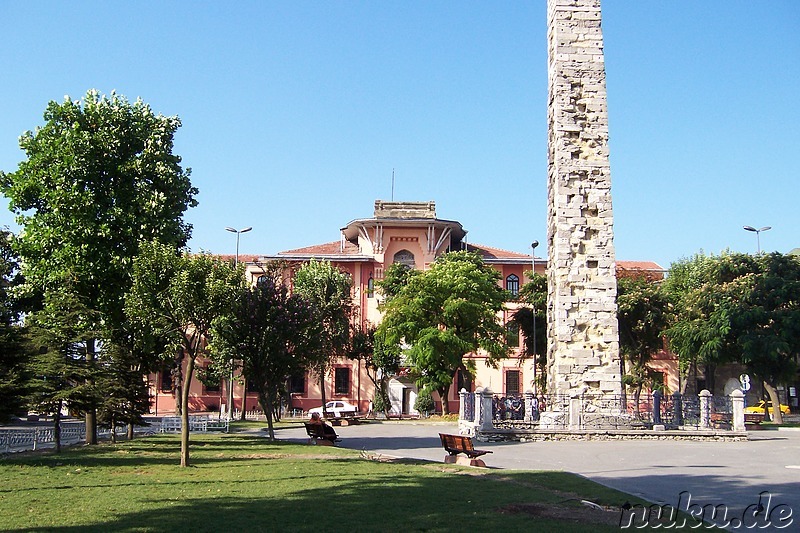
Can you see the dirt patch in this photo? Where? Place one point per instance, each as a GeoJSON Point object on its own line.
{"type": "Point", "coordinates": [575, 513]}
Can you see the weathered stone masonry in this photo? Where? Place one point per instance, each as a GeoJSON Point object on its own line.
{"type": "Point", "coordinates": [583, 352]}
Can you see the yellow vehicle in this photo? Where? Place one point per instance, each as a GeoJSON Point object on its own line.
{"type": "Point", "coordinates": [759, 408]}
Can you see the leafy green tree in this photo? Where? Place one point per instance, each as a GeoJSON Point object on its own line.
{"type": "Point", "coordinates": [100, 178]}
{"type": "Point", "coordinates": [766, 317]}
{"type": "Point", "coordinates": [740, 308]}
{"type": "Point", "coordinates": [444, 313]}
{"type": "Point", "coordinates": [534, 294]}
{"type": "Point", "coordinates": [178, 296]}
{"type": "Point", "coordinates": [125, 396]}
{"type": "Point", "coordinates": [58, 367]}
{"type": "Point", "coordinates": [643, 313]}
{"type": "Point", "coordinates": [328, 290]}
{"type": "Point", "coordinates": [395, 277]}
{"type": "Point", "coordinates": [272, 332]}
{"type": "Point", "coordinates": [12, 351]}
{"type": "Point", "coordinates": [380, 361]}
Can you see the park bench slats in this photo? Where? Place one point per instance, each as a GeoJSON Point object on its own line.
{"type": "Point", "coordinates": [456, 444]}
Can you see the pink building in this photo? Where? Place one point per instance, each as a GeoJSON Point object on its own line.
{"type": "Point", "coordinates": [405, 232]}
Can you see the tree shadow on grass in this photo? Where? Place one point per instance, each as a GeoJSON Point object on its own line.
{"type": "Point", "coordinates": [156, 450]}
{"type": "Point", "coordinates": [389, 498]}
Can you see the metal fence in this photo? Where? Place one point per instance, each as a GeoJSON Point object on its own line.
{"type": "Point", "coordinates": [622, 412]}
{"type": "Point", "coordinates": [40, 437]}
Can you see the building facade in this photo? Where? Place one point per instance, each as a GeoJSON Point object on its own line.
{"type": "Point", "coordinates": [405, 232]}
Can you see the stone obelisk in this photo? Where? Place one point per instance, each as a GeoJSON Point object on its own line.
{"type": "Point", "coordinates": [583, 349]}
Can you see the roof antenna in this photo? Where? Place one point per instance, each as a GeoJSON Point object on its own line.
{"type": "Point", "coordinates": [392, 185]}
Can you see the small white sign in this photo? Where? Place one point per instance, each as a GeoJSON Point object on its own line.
{"type": "Point", "coordinates": [744, 379]}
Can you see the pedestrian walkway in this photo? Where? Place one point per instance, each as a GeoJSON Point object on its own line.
{"type": "Point", "coordinates": [732, 474]}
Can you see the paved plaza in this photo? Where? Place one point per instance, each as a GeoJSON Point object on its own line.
{"type": "Point", "coordinates": [728, 473]}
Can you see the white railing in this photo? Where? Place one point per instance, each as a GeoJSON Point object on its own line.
{"type": "Point", "coordinates": [201, 423]}
{"type": "Point", "coordinates": [18, 440]}
{"type": "Point", "coordinates": [26, 439]}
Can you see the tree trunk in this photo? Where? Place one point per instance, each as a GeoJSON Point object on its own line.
{"type": "Point", "coordinates": [322, 392]}
{"type": "Point", "coordinates": [91, 413]}
{"type": "Point", "coordinates": [244, 398]}
{"type": "Point", "coordinates": [776, 414]}
{"type": "Point", "coordinates": [444, 392]}
{"type": "Point", "coordinates": [57, 427]}
{"type": "Point", "coordinates": [187, 379]}
{"type": "Point", "coordinates": [710, 376]}
{"type": "Point", "coordinates": [130, 431]}
{"type": "Point", "coordinates": [177, 380]}
{"type": "Point", "coordinates": [266, 406]}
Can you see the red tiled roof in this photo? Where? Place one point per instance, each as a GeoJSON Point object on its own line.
{"type": "Point", "coordinates": [488, 252]}
{"type": "Point", "coordinates": [329, 248]}
{"type": "Point", "coordinates": [639, 265]}
{"type": "Point", "coordinates": [649, 269]}
{"type": "Point", "coordinates": [243, 258]}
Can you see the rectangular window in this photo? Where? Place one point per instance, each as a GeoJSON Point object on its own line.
{"type": "Point", "coordinates": [464, 381]}
{"type": "Point", "coordinates": [166, 379]}
{"type": "Point", "coordinates": [512, 382]}
{"type": "Point", "coordinates": [342, 381]}
{"type": "Point", "coordinates": [297, 384]}
{"type": "Point", "coordinates": [251, 387]}
{"type": "Point", "coordinates": [658, 381]}
{"type": "Point", "coordinates": [512, 334]}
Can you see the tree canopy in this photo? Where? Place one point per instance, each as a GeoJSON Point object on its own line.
{"type": "Point", "coordinates": [534, 294]}
{"type": "Point", "coordinates": [99, 179]}
{"type": "Point", "coordinates": [12, 353]}
{"type": "Point", "coordinates": [444, 313]}
{"type": "Point", "coordinates": [328, 290]}
{"type": "Point", "coordinates": [739, 308]}
{"type": "Point", "coordinates": [272, 333]}
{"type": "Point", "coordinates": [643, 313]}
{"type": "Point", "coordinates": [178, 296]}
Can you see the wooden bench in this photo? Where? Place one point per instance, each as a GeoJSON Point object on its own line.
{"type": "Point", "coordinates": [753, 419]}
{"type": "Point", "coordinates": [720, 420]}
{"type": "Point", "coordinates": [316, 435]}
{"type": "Point", "coordinates": [455, 445]}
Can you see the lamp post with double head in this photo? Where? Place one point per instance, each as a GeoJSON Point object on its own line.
{"type": "Point", "coordinates": [238, 232]}
{"type": "Point", "coordinates": [758, 231]}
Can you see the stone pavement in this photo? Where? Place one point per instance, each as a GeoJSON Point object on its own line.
{"type": "Point", "coordinates": [729, 473]}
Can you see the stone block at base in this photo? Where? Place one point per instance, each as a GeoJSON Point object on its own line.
{"type": "Point", "coordinates": [463, 461]}
{"type": "Point", "coordinates": [320, 442]}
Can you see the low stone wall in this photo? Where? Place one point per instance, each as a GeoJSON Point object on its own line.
{"type": "Point", "coordinates": [548, 435]}
{"type": "Point", "coordinates": [589, 417]}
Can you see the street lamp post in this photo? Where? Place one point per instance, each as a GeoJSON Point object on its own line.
{"type": "Point", "coordinates": [534, 244]}
{"type": "Point", "coordinates": [758, 231]}
{"type": "Point", "coordinates": [238, 232]}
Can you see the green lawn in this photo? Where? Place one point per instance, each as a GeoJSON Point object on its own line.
{"type": "Point", "coordinates": [246, 483]}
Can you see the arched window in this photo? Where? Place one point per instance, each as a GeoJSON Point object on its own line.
{"type": "Point", "coordinates": [370, 288]}
{"type": "Point", "coordinates": [512, 284]}
{"type": "Point", "coordinates": [405, 257]}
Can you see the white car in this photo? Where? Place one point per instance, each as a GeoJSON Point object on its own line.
{"type": "Point", "coordinates": [336, 408]}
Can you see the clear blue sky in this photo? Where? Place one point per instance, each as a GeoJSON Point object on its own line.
{"type": "Point", "coordinates": [295, 113]}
